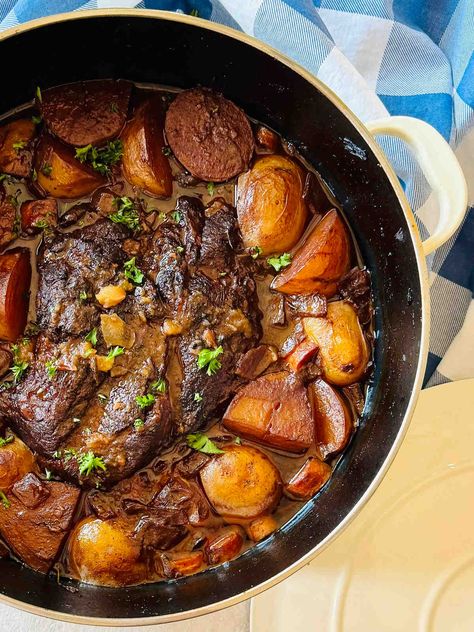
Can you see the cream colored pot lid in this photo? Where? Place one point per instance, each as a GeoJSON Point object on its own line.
{"type": "Point", "coordinates": [407, 561]}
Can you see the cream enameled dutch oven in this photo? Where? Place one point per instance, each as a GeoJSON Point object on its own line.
{"type": "Point", "coordinates": [176, 50]}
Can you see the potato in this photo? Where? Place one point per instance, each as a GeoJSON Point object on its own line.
{"type": "Point", "coordinates": [270, 206]}
{"type": "Point", "coordinates": [342, 346]}
{"type": "Point", "coordinates": [302, 354]}
{"type": "Point", "coordinates": [224, 546]}
{"type": "Point", "coordinates": [242, 483]}
{"type": "Point", "coordinates": [321, 260]}
{"type": "Point", "coordinates": [60, 174]}
{"type": "Point", "coordinates": [273, 410]}
{"type": "Point", "coordinates": [333, 420]}
{"type": "Point", "coordinates": [16, 460]}
{"type": "Point", "coordinates": [101, 552]}
{"type": "Point", "coordinates": [15, 148]}
{"type": "Point", "coordinates": [15, 278]}
{"type": "Point", "coordinates": [144, 164]}
{"type": "Point", "coordinates": [183, 563]}
{"type": "Point", "coordinates": [308, 479]}
{"type": "Point", "coordinates": [261, 528]}
{"type": "Point", "coordinates": [36, 215]}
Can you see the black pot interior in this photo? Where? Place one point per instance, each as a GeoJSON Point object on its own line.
{"type": "Point", "coordinates": [177, 54]}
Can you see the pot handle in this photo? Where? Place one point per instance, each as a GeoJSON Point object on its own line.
{"type": "Point", "coordinates": [440, 168]}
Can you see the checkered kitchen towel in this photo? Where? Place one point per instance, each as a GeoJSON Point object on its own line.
{"type": "Point", "coordinates": [411, 57]}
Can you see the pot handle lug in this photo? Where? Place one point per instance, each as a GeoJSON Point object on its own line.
{"type": "Point", "coordinates": [440, 168]}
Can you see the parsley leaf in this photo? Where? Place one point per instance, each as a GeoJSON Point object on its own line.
{"type": "Point", "coordinates": [102, 158]}
{"type": "Point", "coordinates": [69, 453]}
{"type": "Point", "coordinates": [202, 443]}
{"type": "Point", "coordinates": [18, 370]}
{"type": "Point", "coordinates": [176, 215]}
{"type": "Point", "coordinates": [179, 249]}
{"type": "Point", "coordinates": [132, 273]}
{"type": "Point", "coordinates": [255, 252]}
{"type": "Point", "coordinates": [211, 187]}
{"type": "Point", "coordinates": [46, 168]}
{"type": "Point", "coordinates": [38, 94]}
{"type": "Point", "coordinates": [21, 144]}
{"type": "Point", "coordinates": [166, 150]}
{"type": "Point", "coordinates": [51, 368]}
{"type": "Point", "coordinates": [4, 500]}
{"type": "Point", "coordinates": [83, 296]}
{"type": "Point", "coordinates": [159, 386]}
{"type": "Point", "coordinates": [208, 358]}
{"type": "Point", "coordinates": [144, 401]}
{"type": "Point", "coordinates": [102, 398]}
{"type": "Point", "coordinates": [47, 474]}
{"type": "Point", "coordinates": [126, 213]}
{"type": "Point", "coordinates": [197, 397]}
{"type": "Point", "coordinates": [280, 262]}
{"type": "Point", "coordinates": [114, 352]}
{"type": "Point", "coordinates": [138, 423]}
{"type": "Point", "coordinates": [92, 335]}
{"type": "Point", "coordinates": [88, 462]}
{"type": "Point", "coordinates": [6, 441]}
{"type": "Point", "coordinates": [36, 119]}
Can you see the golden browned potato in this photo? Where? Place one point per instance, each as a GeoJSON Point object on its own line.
{"type": "Point", "coordinates": [261, 527]}
{"type": "Point", "coordinates": [333, 420]}
{"type": "Point", "coordinates": [273, 410]}
{"type": "Point", "coordinates": [60, 174]}
{"type": "Point", "coordinates": [321, 260]}
{"type": "Point", "coordinates": [308, 479]}
{"type": "Point", "coordinates": [270, 206]}
{"type": "Point", "coordinates": [342, 346]}
{"type": "Point", "coordinates": [16, 460]}
{"type": "Point", "coordinates": [144, 164]}
{"type": "Point", "coordinates": [224, 545]}
{"type": "Point", "coordinates": [102, 552]}
{"type": "Point", "coordinates": [242, 483]}
{"type": "Point", "coordinates": [15, 277]}
{"type": "Point", "coordinates": [15, 148]}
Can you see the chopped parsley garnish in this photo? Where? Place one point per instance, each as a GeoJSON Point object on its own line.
{"type": "Point", "coordinates": [197, 397]}
{"type": "Point", "coordinates": [179, 249]}
{"type": "Point", "coordinates": [114, 352]}
{"type": "Point", "coordinates": [166, 150]}
{"type": "Point", "coordinates": [162, 216]}
{"type": "Point", "coordinates": [126, 213]}
{"type": "Point", "coordinates": [138, 423]}
{"type": "Point", "coordinates": [46, 168]}
{"type": "Point", "coordinates": [280, 262]}
{"type": "Point", "coordinates": [132, 273]}
{"type": "Point", "coordinates": [18, 370]}
{"type": "Point", "coordinates": [48, 474]}
{"type": "Point", "coordinates": [159, 386]}
{"type": "Point", "coordinates": [102, 398]}
{"type": "Point", "coordinates": [34, 175]}
{"type": "Point", "coordinates": [102, 158]}
{"type": "Point", "coordinates": [4, 500]}
{"type": "Point", "coordinates": [6, 441]}
{"type": "Point", "coordinates": [202, 443]}
{"type": "Point", "coordinates": [208, 358]}
{"type": "Point", "coordinates": [21, 144]}
{"type": "Point", "coordinates": [88, 462]}
{"type": "Point", "coordinates": [3, 176]}
{"type": "Point", "coordinates": [83, 296]}
{"type": "Point", "coordinates": [57, 454]}
{"type": "Point", "coordinates": [51, 368]}
{"type": "Point", "coordinates": [92, 335]}
{"type": "Point", "coordinates": [144, 401]}
{"type": "Point", "coordinates": [211, 187]}
{"type": "Point", "coordinates": [38, 94]}
{"type": "Point", "coordinates": [255, 252]}
{"type": "Point", "coordinates": [176, 215]}
{"type": "Point", "coordinates": [69, 453]}
{"type": "Point", "coordinates": [114, 107]}
{"type": "Point", "coordinates": [238, 441]}
{"type": "Point", "coordinates": [41, 223]}
{"type": "Point", "coordinates": [194, 13]}
{"type": "Point", "coordinates": [36, 119]}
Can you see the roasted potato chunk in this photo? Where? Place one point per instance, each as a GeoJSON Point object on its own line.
{"type": "Point", "coordinates": [86, 112]}
{"type": "Point", "coordinates": [15, 147]}
{"type": "Point", "coordinates": [7, 218]}
{"type": "Point", "coordinates": [242, 483]}
{"type": "Point", "coordinates": [261, 528]}
{"type": "Point", "coordinates": [15, 278]}
{"type": "Point", "coordinates": [102, 552]}
{"type": "Point", "coordinates": [333, 420]}
{"type": "Point", "coordinates": [224, 546]}
{"type": "Point", "coordinates": [37, 215]}
{"type": "Point", "coordinates": [308, 479]}
{"type": "Point", "coordinates": [342, 345]}
{"type": "Point", "coordinates": [273, 410]}
{"type": "Point", "coordinates": [144, 164]}
{"type": "Point", "coordinates": [270, 206]}
{"type": "Point", "coordinates": [320, 262]}
{"type": "Point", "coordinates": [60, 174]}
{"type": "Point", "coordinates": [16, 460]}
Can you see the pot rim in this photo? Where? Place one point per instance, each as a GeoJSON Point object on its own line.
{"type": "Point", "coordinates": [425, 308]}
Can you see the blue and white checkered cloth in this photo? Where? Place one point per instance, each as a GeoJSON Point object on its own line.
{"type": "Point", "coordinates": [410, 57]}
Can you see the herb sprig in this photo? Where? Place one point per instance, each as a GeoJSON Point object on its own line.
{"type": "Point", "coordinates": [126, 213]}
{"type": "Point", "coordinates": [88, 463]}
{"type": "Point", "coordinates": [208, 358]}
{"type": "Point", "coordinates": [282, 261]}
{"type": "Point", "coordinates": [102, 158]}
{"type": "Point", "coordinates": [201, 442]}
{"type": "Point", "coordinates": [132, 272]}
